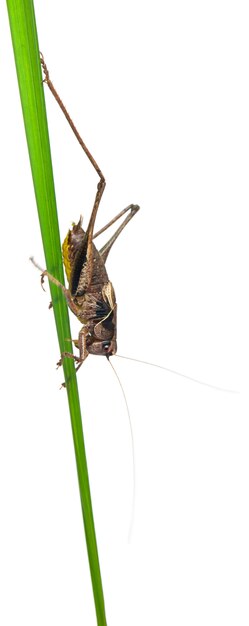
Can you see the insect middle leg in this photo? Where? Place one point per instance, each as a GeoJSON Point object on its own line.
{"type": "Point", "coordinates": [56, 282]}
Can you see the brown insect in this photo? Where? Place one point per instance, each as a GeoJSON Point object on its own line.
{"type": "Point", "coordinates": [90, 294]}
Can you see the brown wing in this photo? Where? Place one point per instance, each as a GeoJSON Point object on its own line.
{"type": "Point", "coordinates": [71, 245]}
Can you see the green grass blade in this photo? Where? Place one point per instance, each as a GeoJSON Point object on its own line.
{"type": "Point", "coordinates": [26, 52]}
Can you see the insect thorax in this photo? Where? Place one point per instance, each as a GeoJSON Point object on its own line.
{"type": "Point", "coordinates": [90, 288]}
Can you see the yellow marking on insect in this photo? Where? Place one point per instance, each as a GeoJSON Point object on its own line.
{"type": "Point", "coordinates": [66, 256]}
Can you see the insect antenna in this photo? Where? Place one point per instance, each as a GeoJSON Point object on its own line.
{"type": "Point", "coordinates": [167, 369]}
{"type": "Point", "coordinates": [133, 451]}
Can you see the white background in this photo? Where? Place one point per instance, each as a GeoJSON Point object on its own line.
{"type": "Point", "coordinates": [160, 94]}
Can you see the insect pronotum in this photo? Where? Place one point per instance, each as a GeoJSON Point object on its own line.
{"type": "Point", "coordinates": [90, 294]}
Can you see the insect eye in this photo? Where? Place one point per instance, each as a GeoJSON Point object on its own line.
{"type": "Point", "coordinates": [106, 346]}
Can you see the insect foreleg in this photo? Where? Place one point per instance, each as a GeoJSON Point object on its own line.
{"type": "Point", "coordinates": [69, 355]}
{"type": "Point", "coordinates": [81, 345]}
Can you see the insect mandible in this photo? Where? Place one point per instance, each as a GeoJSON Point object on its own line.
{"type": "Point", "coordinates": [90, 294]}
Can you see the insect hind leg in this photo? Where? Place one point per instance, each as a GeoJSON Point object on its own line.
{"type": "Point", "coordinates": [133, 208]}
{"type": "Point", "coordinates": [101, 183]}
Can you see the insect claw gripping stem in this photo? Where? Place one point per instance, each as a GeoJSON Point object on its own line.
{"type": "Point", "coordinates": [45, 69]}
{"type": "Point", "coordinates": [68, 355]}
{"type": "Point", "coordinates": [42, 283]}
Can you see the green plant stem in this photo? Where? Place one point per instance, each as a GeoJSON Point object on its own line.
{"type": "Point", "coordinates": [26, 52]}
